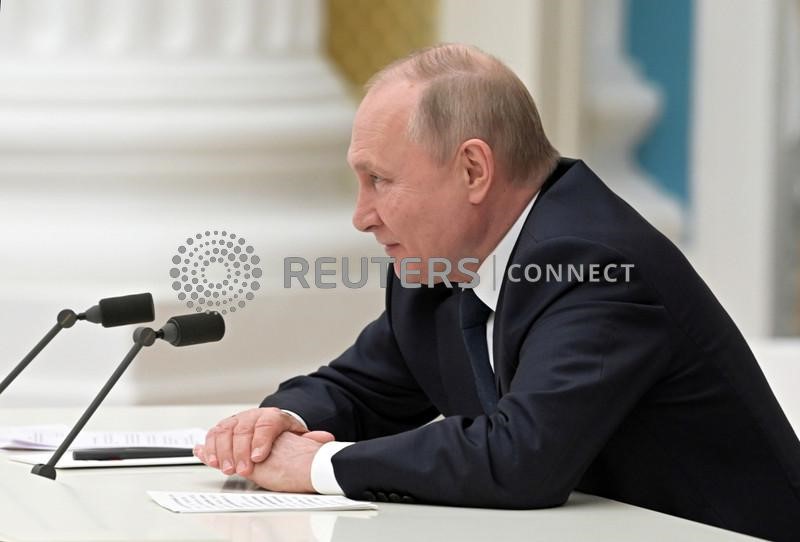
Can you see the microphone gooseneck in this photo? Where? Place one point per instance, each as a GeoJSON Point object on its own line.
{"type": "Point", "coordinates": [181, 330]}
{"type": "Point", "coordinates": [65, 319]}
{"type": "Point", "coordinates": [110, 312]}
{"type": "Point", "coordinates": [48, 470]}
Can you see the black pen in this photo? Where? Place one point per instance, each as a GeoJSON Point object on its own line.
{"type": "Point", "coordinates": [112, 454]}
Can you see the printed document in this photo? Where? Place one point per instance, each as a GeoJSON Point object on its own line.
{"type": "Point", "coordinates": [257, 501]}
{"type": "Point", "coordinates": [49, 437]}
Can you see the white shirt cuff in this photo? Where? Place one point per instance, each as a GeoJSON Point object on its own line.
{"type": "Point", "coordinates": [296, 417]}
{"type": "Point", "coordinates": [322, 476]}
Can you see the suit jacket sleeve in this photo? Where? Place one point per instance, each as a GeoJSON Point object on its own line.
{"type": "Point", "coordinates": [366, 392]}
{"type": "Point", "coordinates": [583, 364]}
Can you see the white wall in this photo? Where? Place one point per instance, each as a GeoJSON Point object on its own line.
{"type": "Point", "coordinates": [126, 127]}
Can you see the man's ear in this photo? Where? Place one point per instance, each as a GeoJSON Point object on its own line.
{"type": "Point", "coordinates": [476, 161]}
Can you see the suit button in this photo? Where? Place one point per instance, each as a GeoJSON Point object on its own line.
{"type": "Point", "coordinates": [368, 496]}
{"type": "Point", "coordinates": [381, 496]}
{"type": "Point", "coordinates": [394, 497]}
{"type": "Point", "coordinates": [407, 499]}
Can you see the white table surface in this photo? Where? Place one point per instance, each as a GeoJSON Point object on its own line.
{"type": "Point", "coordinates": [111, 504]}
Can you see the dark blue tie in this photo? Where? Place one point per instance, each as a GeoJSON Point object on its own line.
{"type": "Point", "coordinates": [474, 313]}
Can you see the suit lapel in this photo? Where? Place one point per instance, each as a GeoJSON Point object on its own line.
{"type": "Point", "coordinates": [504, 364]}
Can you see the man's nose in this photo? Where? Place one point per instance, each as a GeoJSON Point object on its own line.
{"type": "Point", "coordinates": [365, 217]}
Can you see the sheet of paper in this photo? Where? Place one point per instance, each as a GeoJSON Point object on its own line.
{"type": "Point", "coordinates": [49, 437]}
{"type": "Point", "coordinates": [31, 437]}
{"type": "Point", "coordinates": [258, 501]}
{"type": "Point", "coordinates": [66, 461]}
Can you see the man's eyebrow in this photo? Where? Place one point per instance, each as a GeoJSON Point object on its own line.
{"type": "Point", "coordinates": [363, 165]}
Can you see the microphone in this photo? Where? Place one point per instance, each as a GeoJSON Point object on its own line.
{"type": "Point", "coordinates": [121, 311]}
{"type": "Point", "coordinates": [193, 329]}
{"type": "Point", "coordinates": [110, 312]}
{"type": "Point", "coordinates": [179, 331]}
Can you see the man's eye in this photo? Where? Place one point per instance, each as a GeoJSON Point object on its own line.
{"type": "Point", "coordinates": [374, 179]}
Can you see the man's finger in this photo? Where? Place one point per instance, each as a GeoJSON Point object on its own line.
{"type": "Point", "coordinates": [295, 425]}
{"type": "Point", "coordinates": [320, 436]}
{"type": "Point", "coordinates": [210, 448]}
{"type": "Point", "coordinates": [223, 444]}
{"type": "Point", "coordinates": [267, 428]}
{"type": "Point", "coordinates": [242, 439]}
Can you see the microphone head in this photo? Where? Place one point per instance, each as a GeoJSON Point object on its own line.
{"type": "Point", "coordinates": [197, 328]}
{"type": "Point", "coordinates": [123, 310]}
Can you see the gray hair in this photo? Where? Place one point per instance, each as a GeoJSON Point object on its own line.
{"type": "Point", "coordinates": [470, 94]}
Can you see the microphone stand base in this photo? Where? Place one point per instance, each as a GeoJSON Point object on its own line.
{"type": "Point", "coordinates": [44, 470]}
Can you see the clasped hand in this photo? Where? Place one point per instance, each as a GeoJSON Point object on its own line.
{"type": "Point", "coordinates": [264, 445]}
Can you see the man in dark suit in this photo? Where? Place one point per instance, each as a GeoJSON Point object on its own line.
{"type": "Point", "coordinates": [589, 355]}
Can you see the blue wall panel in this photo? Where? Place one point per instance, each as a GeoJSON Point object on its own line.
{"type": "Point", "coordinates": [659, 39]}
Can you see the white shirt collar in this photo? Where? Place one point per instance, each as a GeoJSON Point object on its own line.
{"type": "Point", "coordinates": [493, 269]}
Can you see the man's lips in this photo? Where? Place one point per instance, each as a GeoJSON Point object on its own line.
{"type": "Point", "coordinates": [389, 247]}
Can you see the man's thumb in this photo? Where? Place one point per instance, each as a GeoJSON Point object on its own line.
{"type": "Point", "coordinates": [320, 436]}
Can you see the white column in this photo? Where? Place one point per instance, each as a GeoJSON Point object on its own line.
{"type": "Point", "coordinates": [242, 21]}
{"type": "Point", "coordinates": [620, 106]}
{"type": "Point", "coordinates": [735, 157]}
{"type": "Point", "coordinates": [128, 125]}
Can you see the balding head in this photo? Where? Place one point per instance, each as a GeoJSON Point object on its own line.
{"type": "Point", "coordinates": [467, 94]}
{"type": "Point", "coordinates": [448, 150]}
